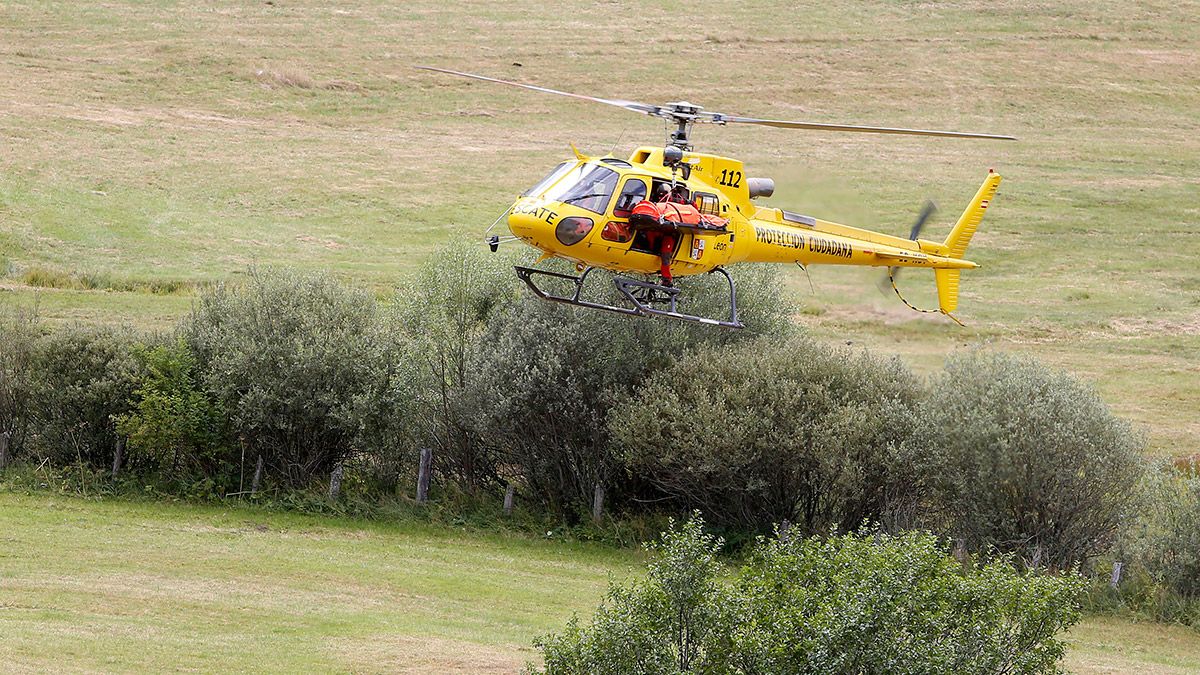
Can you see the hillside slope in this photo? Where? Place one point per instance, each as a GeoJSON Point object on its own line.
{"type": "Point", "coordinates": [174, 143]}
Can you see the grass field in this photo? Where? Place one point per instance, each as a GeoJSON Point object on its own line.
{"type": "Point", "coordinates": [177, 143]}
{"type": "Point", "coordinates": [146, 587]}
{"type": "Point", "coordinates": [158, 144]}
{"type": "Point", "coordinates": [119, 586]}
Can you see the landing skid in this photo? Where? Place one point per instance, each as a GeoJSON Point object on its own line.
{"type": "Point", "coordinates": [642, 295]}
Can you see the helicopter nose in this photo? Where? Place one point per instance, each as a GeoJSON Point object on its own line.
{"type": "Point", "coordinates": [522, 224]}
{"type": "Point", "coordinates": [534, 225]}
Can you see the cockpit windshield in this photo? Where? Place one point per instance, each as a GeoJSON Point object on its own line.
{"type": "Point", "coordinates": [587, 186]}
{"type": "Point", "coordinates": [549, 180]}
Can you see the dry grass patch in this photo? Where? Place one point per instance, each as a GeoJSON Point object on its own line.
{"type": "Point", "coordinates": [297, 78]}
{"type": "Point", "coordinates": [284, 77]}
{"type": "Point", "coordinates": [424, 654]}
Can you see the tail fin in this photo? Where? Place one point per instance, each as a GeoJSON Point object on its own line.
{"type": "Point", "coordinates": [968, 222]}
{"type": "Point", "coordinates": [956, 244]}
{"type": "Point", "coordinates": [947, 287]}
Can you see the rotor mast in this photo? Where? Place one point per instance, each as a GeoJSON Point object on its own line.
{"type": "Point", "coordinates": [684, 115]}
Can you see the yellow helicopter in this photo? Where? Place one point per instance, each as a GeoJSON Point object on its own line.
{"type": "Point", "coordinates": [670, 212]}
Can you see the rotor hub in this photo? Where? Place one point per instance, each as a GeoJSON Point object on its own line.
{"type": "Point", "coordinates": [685, 108]}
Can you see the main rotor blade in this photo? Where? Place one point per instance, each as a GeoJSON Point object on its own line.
{"type": "Point", "coordinates": [783, 124]}
{"type": "Point", "coordinates": [643, 108]}
{"type": "Point", "coordinates": [686, 114]}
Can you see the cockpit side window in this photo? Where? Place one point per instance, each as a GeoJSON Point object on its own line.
{"type": "Point", "coordinates": [549, 180]}
{"type": "Point", "coordinates": [664, 193]}
{"type": "Point", "coordinates": [587, 186]}
{"type": "Point", "coordinates": [633, 192]}
{"type": "Point", "coordinates": [707, 203]}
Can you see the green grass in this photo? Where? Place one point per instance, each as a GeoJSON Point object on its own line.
{"type": "Point", "coordinates": [1106, 645]}
{"type": "Point", "coordinates": [87, 586]}
{"type": "Point", "coordinates": [127, 586]}
{"type": "Point", "coordinates": [183, 142]}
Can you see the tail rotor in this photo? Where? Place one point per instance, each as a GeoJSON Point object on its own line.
{"type": "Point", "coordinates": [927, 212]}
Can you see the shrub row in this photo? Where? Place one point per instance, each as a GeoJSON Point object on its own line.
{"type": "Point", "coordinates": [755, 427]}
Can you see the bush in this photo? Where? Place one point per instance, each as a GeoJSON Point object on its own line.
{"type": "Point", "coordinates": [537, 401]}
{"type": "Point", "coordinates": [175, 429]}
{"type": "Point", "coordinates": [856, 603]}
{"type": "Point", "coordinates": [16, 356]}
{"type": "Point", "coordinates": [444, 314]}
{"type": "Point", "coordinates": [667, 623]}
{"type": "Point", "coordinates": [1160, 550]}
{"type": "Point", "coordinates": [548, 374]}
{"type": "Point", "coordinates": [875, 603]}
{"type": "Point", "coordinates": [1027, 460]}
{"type": "Point", "coordinates": [773, 431]}
{"type": "Point", "coordinates": [295, 359]}
{"type": "Point", "coordinates": [81, 380]}
{"type": "Point", "coordinates": [384, 415]}
{"type": "Point", "coordinates": [1166, 541]}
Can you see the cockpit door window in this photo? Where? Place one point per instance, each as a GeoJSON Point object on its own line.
{"type": "Point", "coordinates": [633, 192]}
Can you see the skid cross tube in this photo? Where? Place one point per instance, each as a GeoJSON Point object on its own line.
{"type": "Point", "coordinates": [643, 295]}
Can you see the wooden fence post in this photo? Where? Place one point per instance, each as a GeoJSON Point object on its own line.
{"type": "Point", "coordinates": [423, 475]}
{"type": "Point", "coordinates": [4, 449]}
{"type": "Point", "coordinates": [509, 494]}
{"type": "Point", "coordinates": [254, 484]}
{"type": "Point", "coordinates": [118, 456]}
{"type": "Point", "coordinates": [1115, 579]}
{"type": "Point", "coordinates": [335, 481]}
{"type": "Point", "coordinates": [960, 551]}
{"type": "Point", "coordinates": [597, 503]}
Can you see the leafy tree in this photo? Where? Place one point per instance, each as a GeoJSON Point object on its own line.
{"type": "Point", "coordinates": [1025, 459]}
{"type": "Point", "coordinates": [175, 427]}
{"type": "Point", "coordinates": [776, 430]}
{"type": "Point", "coordinates": [667, 623]}
{"type": "Point", "coordinates": [855, 603]}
